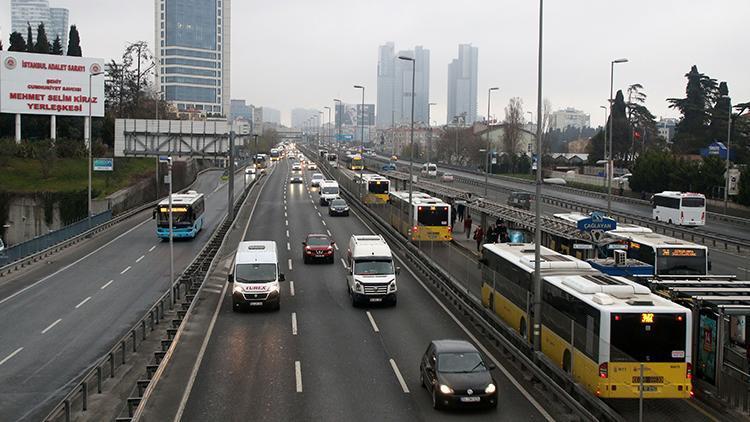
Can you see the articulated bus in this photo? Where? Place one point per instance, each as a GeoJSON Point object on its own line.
{"type": "Point", "coordinates": [357, 163]}
{"type": "Point", "coordinates": [187, 215]}
{"type": "Point", "coordinates": [431, 217]}
{"type": "Point", "coordinates": [668, 255]}
{"type": "Point", "coordinates": [377, 189]}
{"type": "Point", "coordinates": [599, 329]}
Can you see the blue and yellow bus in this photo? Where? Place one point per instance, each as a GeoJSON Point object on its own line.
{"type": "Point", "coordinates": [187, 215]}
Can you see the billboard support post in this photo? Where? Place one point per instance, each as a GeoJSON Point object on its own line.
{"type": "Point", "coordinates": [18, 128]}
{"type": "Point", "coordinates": [53, 127]}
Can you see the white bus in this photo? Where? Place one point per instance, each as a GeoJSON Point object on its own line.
{"type": "Point", "coordinates": [681, 208]}
{"type": "Point", "coordinates": [599, 329]}
{"type": "Point", "coordinates": [668, 255]}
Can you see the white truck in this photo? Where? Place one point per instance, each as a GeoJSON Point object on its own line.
{"type": "Point", "coordinates": [371, 274]}
{"type": "Point", "coordinates": [255, 276]}
{"type": "Point", "coordinates": [329, 190]}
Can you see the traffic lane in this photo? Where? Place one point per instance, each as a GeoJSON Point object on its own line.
{"type": "Point", "coordinates": [336, 341]}
{"type": "Point", "coordinates": [76, 316]}
{"type": "Point", "coordinates": [406, 330]}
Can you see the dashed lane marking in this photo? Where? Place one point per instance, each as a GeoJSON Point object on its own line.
{"type": "Point", "coordinates": [329, 232]}
{"type": "Point", "coordinates": [140, 259]}
{"type": "Point", "coordinates": [294, 323]}
{"type": "Point", "coordinates": [372, 322]}
{"type": "Point", "coordinates": [49, 327]}
{"type": "Point", "coordinates": [291, 288]}
{"type": "Point", "coordinates": [288, 246]}
{"type": "Point", "coordinates": [152, 248]}
{"type": "Point", "coordinates": [7, 358]}
{"type": "Point", "coordinates": [126, 270]}
{"type": "Point", "coordinates": [83, 301]}
{"type": "Point", "coordinates": [297, 375]}
{"type": "Point", "coordinates": [398, 375]}
{"type": "Point", "coordinates": [290, 264]}
{"type": "Point", "coordinates": [106, 284]}
{"type": "Point", "coordinates": [343, 262]}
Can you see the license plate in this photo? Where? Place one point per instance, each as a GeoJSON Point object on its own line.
{"type": "Point", "coordinates": [376, 299]}
{"type": "Point", "coordinates": [649, 388]}
{"type": "Point", "coordinates": [470, 399]}
{"type": "Point", "coordinates": [256, 303]}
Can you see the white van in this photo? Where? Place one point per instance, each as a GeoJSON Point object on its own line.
{"type": "Point", "coordinates": [429, 170]}
{"type": "Point", "coordinates": [255, 277]}
{"type": "Point", "coordinates": [371, 275]}
{"type": "Point", "coordinates": [329, 190]}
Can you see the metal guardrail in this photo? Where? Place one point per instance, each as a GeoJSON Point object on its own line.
{"type": "Point", "coordinates": [584, 406]}
{"type": "Point", "coordinates": [63, 244]}
{"type": "Point", "coordinates": [189, 282]}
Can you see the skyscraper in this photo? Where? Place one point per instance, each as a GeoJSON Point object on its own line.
{"type": "Point", "coordinates": [462, 84]}
{"type": "Point", "coordinates": [394, 86]}
{"type": "Point", "coordinates": [34, 12]}
{"type": "Point", "coordinates": [193, 54]}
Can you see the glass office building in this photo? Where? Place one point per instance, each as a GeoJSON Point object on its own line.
{"type": "Point", "coordinates": [193, 54]}
{"type": "Point", "coordinates": [34, 12]}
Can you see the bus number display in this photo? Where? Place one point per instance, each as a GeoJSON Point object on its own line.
{"type": "Point", "coordinates": [647, 318]}
{"type": "Point", "coordinates": [679, 252]}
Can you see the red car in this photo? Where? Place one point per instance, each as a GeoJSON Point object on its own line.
{"type": "Point", "coordinates": [317, 247]}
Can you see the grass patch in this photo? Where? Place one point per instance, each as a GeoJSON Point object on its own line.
{"type": "Point", "coordinates": [20, 175]}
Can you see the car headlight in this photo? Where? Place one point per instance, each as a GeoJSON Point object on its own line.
{"type": "Point", "coordinates": [274, 287]}
{"type": "Point", "coordinates": [392, 286]}
{"type": "Point", "coordinates": [237, 289]}
{"type": "Point", "coordinates": [357, 287]}
{"type": "Point", "coordinates": [445, 389]}
{"type": "Point", "coordinates": [490, 389]}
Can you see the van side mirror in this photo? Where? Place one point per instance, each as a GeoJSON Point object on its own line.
{"type": "Point", "coordinates": [230, 278]}
{"type": "Point", "coordinates": [281, 277]}
{"type": "Point", "coordinates": [398, 270]}
{"type": "Point", "coordinates": [153, 215]}
{"type": "Point", "coordinates": [492, 366]}
{"type": "Point", "coordinates": [333, 242]}
{"type": "Point", "coordinates": [709, 265]}
{"type": "Point", "coordinates": [304, 243]}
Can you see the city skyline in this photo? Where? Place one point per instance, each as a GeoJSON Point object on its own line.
{"type": "Point", "coordinates": [573, 77]}
{"type": "Point", "coordinates": [33, 12]}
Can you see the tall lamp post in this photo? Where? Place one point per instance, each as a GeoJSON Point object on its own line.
{"type": "Point", "coordinates": [429, 132]}
{"type": "Point", "coordinates": [489, 151]}
{"type": "Point", "coordinates": [411, 142]}
{"type": "Point", "coordinates": [328, 128]}
{"type": "Point", "coordinates": [605, 134]}
{"type": "Point", "coordinates": [88, 141]}
{"type": "Point", "coordinates": [338, 118]}
{"type": "Point", "coordinates": [729, 136]}
{"type": "Point", "coordinates": [538, 198]}
{"type": "Point", "coordinates": [610, 156]}
{"type": "Point", "coordinates": [362, 133]}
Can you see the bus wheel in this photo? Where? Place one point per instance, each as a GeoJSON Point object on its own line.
{"type": "Point", "coordinates": [566, 361]}
{"type": "Point", "coordinates": [670, 221]}
{"type": "Point", "coordinates": [522, 328]}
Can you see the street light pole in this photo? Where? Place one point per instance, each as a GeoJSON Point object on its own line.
{"type": "Point", "coordinates": [429, 132]}
{"type": "Point", "coordinates": [362, 133]}
{"type": "Point", "coordinates": [610, 156]}
{"type": "Point", "coordinates": [538, 199]}
{"type": "Point", "coordinates": [605, 132]}
{"type": "Point", "coordinates": [729, 136]}
{"type": "Point", "coordinates": [411, 143]}
{"type": "Point", "coordinates": [89, 142]}
{"type": "Point", "coordinates": [487, 161]}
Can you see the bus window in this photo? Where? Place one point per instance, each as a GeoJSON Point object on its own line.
{"type": "Point", "coordinates": [432, 216]}
{"type": "Point", "coordinates": [639, 337]}
{"type": "Point", "coordinates": [378, 187]}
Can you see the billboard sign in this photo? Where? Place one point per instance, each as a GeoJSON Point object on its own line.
{"type": "Point", "coordinates": [50, 84]}
{"type": "Point", "coordinates": [104, 164]}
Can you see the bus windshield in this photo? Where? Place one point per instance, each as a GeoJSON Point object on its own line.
{"type": "Point", "coordinates": [693, 202]}
{"type": "Point", "coordinates": [378, 187]}
{"type": "Point", "coordinates": [684, 261]}
{"type": "Point", "coordinates": [255, 273]}
{"type": "Point", "coordinates": [179, 219]}
{"type": "Point", "coordinates": [647, 337]}
{"type": "Point", "coordinates": [432, 215]}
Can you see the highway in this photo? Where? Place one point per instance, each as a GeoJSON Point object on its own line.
{"type": "Point", "coordinates": [551, 191]}
{"type": "Point", "coordinates": [318, 358]}
{"type": "Point", "coordinates": [58, 317]}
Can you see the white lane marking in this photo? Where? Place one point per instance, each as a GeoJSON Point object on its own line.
{"type": "Point", "coordinates": [372, 322]}
{"type": "Point", "coordinates": [139, 259]}
{"type": "Point", "coordinates": [125, 270]}
{"type": "Point", "coordinates": [336, 245]}
{"type": "Point", "coordinates": [152, 248]}
{"type": "Point", "coordinates": [7, 358]}
{"type": "Point", "coordinates": [343, 262]}
{"type": "Point", "coordinates": [106, 284]}
{"type": "Point", "coordinates": [320, 215]}
{"type": "Point", "coordinates": [49, 327]}
{"type": "Point", "coordinates": [285, 216]}
{"type": "Point", "coordinates": [294, 323]}
{"type": "Point", "coordinates": [83, 301]}
{"type": "Point", "coordinates": [324, 222]}
{"type": "Point", "coordinates": [288, 246]}
{"type": "Point", "coordinates": [298, 375]}
{"type": "Point", "coordinates": [329, 232]}
{"type": "Point", "coordinates": [287, 233]}
{"type": "Point", "coordinates": [291, 288]}
{"type": "Point", "coordinates": [286, 222]}
{"type": "Point", "coordinates": [290, 264]}
{"type": "Point", "coordinates": [398, 375]}
{"type": "Point", "coordinates": [71, 264]}
{"type": "Point", "coordinates": [284, 207]}
{"type": "Point", "coordinates": [486, 352]}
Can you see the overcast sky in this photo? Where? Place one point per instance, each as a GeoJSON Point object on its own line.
{"type": "Point", "coordinates": [302, 53]}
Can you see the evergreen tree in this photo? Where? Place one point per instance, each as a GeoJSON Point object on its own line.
{"type": "Point", "coordinates": [717, 129]}
{"type": "Point", "coordinates": [29, 39]}
{"type": "Point", "coordinates": [74, 42]}
{"type": "Point", "coordinates": [42, 44]}
{"type": "Point", "coordinates": [744, 185]}
{"type": "Point", "coordinates": [17, 43]}
{"type": "Point", "coordinates": [691, 131]}
{"type": "Point", "coordinates": [620, 132]}
{"type": "Point", "coordinates": [57, 46]}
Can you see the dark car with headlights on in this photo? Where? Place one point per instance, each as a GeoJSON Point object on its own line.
{"type": "Point", "coordinates": [317, 247]}
{"type": "Point", "coordinates": [455, 374]}
{"type": "Point", "coordinates": [338, 207]}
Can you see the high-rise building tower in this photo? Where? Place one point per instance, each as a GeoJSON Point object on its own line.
{"type": "Point", "coordinates": [462, 85]}
{"type": "Point", "coordinates": [193, 44]}
{"type": "Point", "coordinates": [34, 12]}
{"type": "Point", "coordinates": [394, 86]}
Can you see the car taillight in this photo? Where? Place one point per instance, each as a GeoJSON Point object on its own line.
{"type": "Point", "coordinates": [689, 371]}
{"type": "Point", "coordinates": [604, 370]}
{"type": "Point", "coordinates": [414, 229]}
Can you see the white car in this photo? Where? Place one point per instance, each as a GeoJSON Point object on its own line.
{"type": "Point", "coordinates": [312, 166]}
{"type": "Point", "coordinates": [296, 167]}
{"type": "Point", "coordinates": [446, 177]}
{"type": "Point", "coordinates": [316, 179]}
{"type": "Point", "coordinates": [250, 170]}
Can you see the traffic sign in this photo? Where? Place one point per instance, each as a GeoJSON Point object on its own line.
{"type": "Point", "coordinates": [164, 159]}
{"type": "Point", "coordinates": [597, 221]}
{"type": "Point", "coordinates": [344, 137]}
{"type": "Point", "coordinates": [104, 164]}
{"type": "Point", "coordinates": [583, 246]}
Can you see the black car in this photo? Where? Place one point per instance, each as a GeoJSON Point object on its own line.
{"type": "Point", "coordinates": [296, 178]}
{"type": "Point", "coordinates": [455, 374]}
{"type": "Point", "coordinates": [338, 207]}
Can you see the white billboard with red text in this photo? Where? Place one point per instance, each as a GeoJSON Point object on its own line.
{"type": "Point", "coordinates": [50, 84]}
